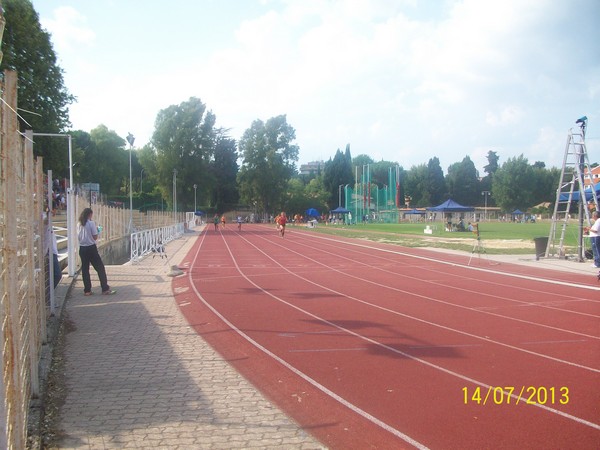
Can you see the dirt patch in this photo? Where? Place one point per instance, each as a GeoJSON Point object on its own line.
{"type": "Point", "coordinates": [491, 243]}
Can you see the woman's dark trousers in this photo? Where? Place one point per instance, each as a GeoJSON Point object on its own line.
{"type": "Point", "coordinates": [89, 255]}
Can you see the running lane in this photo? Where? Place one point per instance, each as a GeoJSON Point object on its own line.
{"type": "Point", "coordinates": [375, 346]}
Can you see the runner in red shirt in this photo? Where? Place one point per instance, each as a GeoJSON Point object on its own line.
{"type": "Point", "coordinates": [281, 222]}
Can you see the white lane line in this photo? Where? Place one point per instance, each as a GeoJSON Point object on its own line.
{"type": "Point", "coordinates": [297, 372]}
{"type": "Point", "coordinates": [425, 258]}
{"type": "Point", "coordinates": [404, 354]}
{"type": "Point", "coordinates": [332, 394]}
{"type": "Point", "coordinates": [327, 350]}
{"type": "Point", "coordinates": [553, 342]}
{"type": "Point", "coordinates": [482, 310]}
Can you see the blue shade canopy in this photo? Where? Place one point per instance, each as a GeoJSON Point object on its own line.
{"type": "Point", "coordinates": [340, 210]}
{"type": "Point", "coordinates": [199, 213]}
{"type": "Point", "coordinates": [588, 194]}
{"type": "Point", "coordinates": [312, 212]}
{"type": "Point", "coordinates": [451, 206]}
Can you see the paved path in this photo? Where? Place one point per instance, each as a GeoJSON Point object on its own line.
{"type": "Point", "coordinates": [137, 376]}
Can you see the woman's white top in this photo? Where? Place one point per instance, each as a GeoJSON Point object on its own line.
{"type": "Point", "coordinates": [86, 233]}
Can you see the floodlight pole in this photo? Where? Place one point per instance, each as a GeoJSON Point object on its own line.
{"type": "Point", "coordinates": [131, 140]}
{"type": "Point", "coordinates": [485, 194]}
{"type": "Point", "coordinates": [195, 187]}
{"type": "Point", "coordinates": [175, 195]}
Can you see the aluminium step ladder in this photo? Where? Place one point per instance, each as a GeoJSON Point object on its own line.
{"type": "Point", "coordinates": [575, 183]}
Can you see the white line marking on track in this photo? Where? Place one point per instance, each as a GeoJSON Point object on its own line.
{"type": "Point", "coordinates": [484, 310]}
{"type": "Point", "coordinates": [319, 350]}
{"type": "Point", "coordinates": [553, 342]}
{"type": "Point", "coordinates": [293, 369]}
{"type": "Point", "coordinates": [409, 356]}
{"type": "Point", "coordinates": [508, 274]}
{"type": "Point", "coordinates": [332, 394]}
{"type": "Point", "coordinates": [445, 346]}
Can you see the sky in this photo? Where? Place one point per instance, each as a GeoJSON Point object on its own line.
{"type": "Point", "coordinates": [402, 80]}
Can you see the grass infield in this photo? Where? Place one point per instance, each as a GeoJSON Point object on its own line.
{"type": "Point", "coordinates": [497, 237]}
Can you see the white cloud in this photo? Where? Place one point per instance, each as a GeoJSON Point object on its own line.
{"type": "Point", "coordinates": [68, 28]}
{"type": "Point", "coordinates": [509, 115]}
{"type": "Point", "coordinates": [406, 81]}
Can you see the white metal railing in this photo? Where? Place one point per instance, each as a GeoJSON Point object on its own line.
{"type": "Point", "coordinates": [153, 241]}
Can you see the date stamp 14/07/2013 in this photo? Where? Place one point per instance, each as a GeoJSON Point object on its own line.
{"type": "Point", "coordinates": [511, 395]}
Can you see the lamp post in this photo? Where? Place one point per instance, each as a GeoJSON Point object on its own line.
{"type": "Point", "coordinates": [340, 195]}
{"type": "Point", "coordinates": [175, 195]}
{"type": "Point", "coordinates": [485, 196]}
{"type": "Point", "coordinates": [142, 181]}
{"type": "Point", "coordinates": [195, 187]}
{"type": "Point", "coordinates": [131, 140]}
{"type": "Point", "coordinates": [71, 236]}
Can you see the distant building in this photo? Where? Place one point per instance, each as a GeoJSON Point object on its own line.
{"type": "Point", "coordinates": [595, 176]}
{"type": "Point", "coordinates": [312, 168]}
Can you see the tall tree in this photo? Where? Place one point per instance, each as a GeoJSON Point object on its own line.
{"type": "Point", "coordinates": [42, 96]}
{"type": "Point", "coordinates": [380, 172]}
{"type": "Point", "coordinates": [316, 194]}
{"type": "Point", "coordinates": [269, 161]}
{"type": "Point", "coordinates": [416, 187]}
{"type": "Point", "coordinates": [492, 165]}
{"type": "Point", "coordinates": [103, 160]}
{"type": "Point", "coordinates": [184, 141]}
{"type": "Point", "coordinates": [545, 184]}
{"type": "Point", "coordinates": [462, 182]}
{"type": "Point", "coordinates": [337, 172]}
{"type": "Point", "coordinates": [486, 182]}
{"type": "Point", "coordinates": [224, 173]}
{"type": "Point", "coordinates": [513, 184]}
{"type": "Point", "coordinates": [436, 183]}
{"type": "Point", "coordinates": [362, 160]}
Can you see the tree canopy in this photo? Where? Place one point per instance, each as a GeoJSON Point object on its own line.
{"type": "Point", "coordinates": [513, 184]}
{"type": "Point", "coordinates": [184, 141]}
{"type": "Point", "coordinates": [337, 172]}
{"type": "Point", "coordinates": [43, 96]}
{"type": "Point", "coordinates": [269, 161]}
{"type": "Point", "coordinates": [462, 182]}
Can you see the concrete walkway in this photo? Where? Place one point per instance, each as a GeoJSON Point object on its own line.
{"type": "Point", "coordinates": [137, 376]}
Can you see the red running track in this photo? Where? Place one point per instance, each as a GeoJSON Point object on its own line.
{"type": "Point", "coordinates": [370, 345]}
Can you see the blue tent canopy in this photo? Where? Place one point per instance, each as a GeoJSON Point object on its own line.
{"type": "Point", "coordinates": [415, 211]}
{"type": "Point", "coordinates": [312, 212]}
{"type": "Point", "coordinates": [340, 210]}
{"type": "Point", "coordinates": [588, 194]}
{"type": "Point", "coordinates": [451, 206]}
{"type": "Point", "coordinates": [517, 212]}
{"type": "Point", "coordinates": [198, 213]}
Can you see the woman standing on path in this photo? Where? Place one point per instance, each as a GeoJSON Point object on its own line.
{"type": "Point", "coordinates": [87, 231]}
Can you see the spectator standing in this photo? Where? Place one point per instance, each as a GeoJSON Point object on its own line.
{"type": "Point", "coordinates": [87, 231]}
{"type": "Point", "coordinates": [595, 238]}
